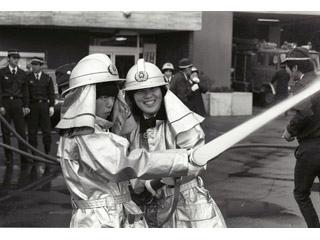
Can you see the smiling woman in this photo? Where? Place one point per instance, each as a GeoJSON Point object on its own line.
{"type": "Point", "coordinates": [164, 122]}
{"type": "Point", "coordinates": [148, 100]}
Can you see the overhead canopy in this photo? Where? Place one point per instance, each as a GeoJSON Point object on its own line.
{"type": "Point", "coordinates": [164, 20]}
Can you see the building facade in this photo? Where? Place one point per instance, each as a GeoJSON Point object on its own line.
{"type": "Point", "coordinates": [64, 37]}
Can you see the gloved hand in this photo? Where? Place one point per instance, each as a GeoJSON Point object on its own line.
{"type": "Point", "coordinates": [25, 111]}
{"type": "Point", "coordinates": [152, 186]}
{"type": "Point", "coordinates": [195, 80]}
{"type": "Point", "coordinates": [51, 111]}
{"type": "Point", "coordinates": [2, 111]}
{"type": "Point", "coordinates": [287, 136]}
{"type": "Point", "coordinates": [195, 87]}
{"type": "Point", "coordinates": [193, 169]}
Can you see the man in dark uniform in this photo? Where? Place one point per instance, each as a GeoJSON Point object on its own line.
{"type": "Point", "coordinates": [281, 80]}
{"type": "Point", "coordinates": [14, 102]}
{"type": "Point", "coordinates": [62, 79]}
{"type": "Point", "coordinates": [188, 89]}
{"type": "Point", "coordinates": [41, 91]}
{"type": "Point", "coordinates": [305, 126]}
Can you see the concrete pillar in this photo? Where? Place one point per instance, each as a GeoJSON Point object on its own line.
{"type": "Point", "coordinates": [212, 47]}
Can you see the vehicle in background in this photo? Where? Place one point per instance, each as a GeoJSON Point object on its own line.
{"type": "Point", "coordinates": [256, 63]}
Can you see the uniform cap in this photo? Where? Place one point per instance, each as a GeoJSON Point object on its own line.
{"type": "Point", "coordinates": [167, 66]}
{"type": "Point", "coordinates": [184, 63]}
{"type": "Point", "coordinates": [13, 53]}
{"type": "Point", "coordinates": [297, 54]}
{"type": "Point", "coordinates": [37, 60]}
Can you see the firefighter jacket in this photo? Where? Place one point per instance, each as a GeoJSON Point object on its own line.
{"type": "Point", "coordinates": [13, 86]}
{"type": "Point", "coordinates": [41, 89]}
{"type": "Point", "coordinates": [181, 129]}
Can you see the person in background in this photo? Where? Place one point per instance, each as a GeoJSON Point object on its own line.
{"type": "Point", "coordinates": [202, 81]}
{"type": "Point", "coordinates": [62, 74]}
{"type": "Point", "coordinates": [281, 81]}
{"type": "Point", "coordinates": [164, 122]}
{"type": "Point", "coordinates": [188, 87]}
{"type": "Point", "coordinates": [305, 127]}
{"type": "Point", "coordinates": [167, 70]}
{"type": "Point", "coordinates": [14, 105]}
{"type": "Point", "coordinates": [41, 89]}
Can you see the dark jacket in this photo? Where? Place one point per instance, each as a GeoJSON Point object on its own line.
{"type": "Point", "coordinates": [42, 89]}
{"type": "Point", "coordinates": [305, 124]}
{"type": "Point", "coordinates": [281, 79]}
{"type": "Point", "coordinates": [13, 85]}
{"type": "Point", "coordinates": [181, 87]}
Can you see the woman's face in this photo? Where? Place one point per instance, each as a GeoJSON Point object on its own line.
{"type": "Point", "coordinates": [104, 105]}
{"type": "Point", "coordinates": [148, 100]}
{"type": "Point", "coordinates": [168, 73]}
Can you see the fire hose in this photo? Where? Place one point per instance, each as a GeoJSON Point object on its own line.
{"type": "Point", "coordinates": [43, 157]}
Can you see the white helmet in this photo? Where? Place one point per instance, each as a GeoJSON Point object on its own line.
{"type": "Point", "coordinates": [144, 75]}
{"type": "Point", "coordinates": [90, 71]}
{"type": "Point", "coordinates": [167, 66]}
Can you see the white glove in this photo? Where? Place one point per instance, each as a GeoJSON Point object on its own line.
{"type": "Point", "coordinates": [2, 111]}
{"type": "Point", "coordinates": [195, 80]}
{"type": "Point", "coordinates": [287, 136]}
{"type": "Point", "coordinates": [51, 111]}
{"type": "Point", "coordinates": [195, 87]}
{"type": "Point", "coordinates": [25, 111]}
{"type": "Point", "coordinates": [193, 170]}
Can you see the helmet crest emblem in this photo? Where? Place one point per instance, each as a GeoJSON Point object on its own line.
{"type": "Point", "coordinates": [141, 76]}
{"type": "Point", "coordinates": [112, 69]}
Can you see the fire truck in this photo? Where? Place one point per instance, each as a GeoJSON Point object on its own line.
{"type": "Point", "coordinates": [255, 64]}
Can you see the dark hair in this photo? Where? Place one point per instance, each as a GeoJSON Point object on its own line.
{"type": "Point", "coordinates": [304, 66]}
{"type": "Point", "coordinates": [107, 89]}
{"type": "Point", "coordinates": [136, 111]}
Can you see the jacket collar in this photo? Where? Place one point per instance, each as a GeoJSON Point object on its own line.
{"type": "Point", "coordinates": [11, 68]}
{"type": "Point", "coordinates": [103, 123]}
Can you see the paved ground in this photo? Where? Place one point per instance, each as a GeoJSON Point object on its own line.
{"type": "Point", "coordinates": [253, 187]}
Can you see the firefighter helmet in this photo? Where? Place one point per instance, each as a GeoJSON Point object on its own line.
{"type": "Point", "coordinates": [143, 75]}
{"type": "Point", "coordinates": [92, 71]}
{"type": "Point", "coordinates": [167, 66]}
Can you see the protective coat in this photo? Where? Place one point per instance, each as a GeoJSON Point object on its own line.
{"type": "Point", "coordinates": [195, 207]}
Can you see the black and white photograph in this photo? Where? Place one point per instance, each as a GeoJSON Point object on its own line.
{"type": "Point", "coordinates": [159, 119]}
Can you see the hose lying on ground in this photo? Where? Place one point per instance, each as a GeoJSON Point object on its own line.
{"type": "Point", "coordinates": [23, 141]}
